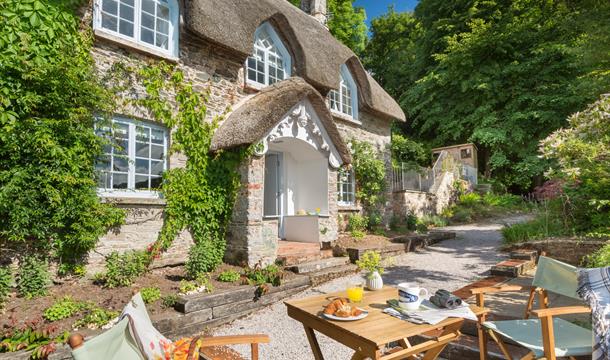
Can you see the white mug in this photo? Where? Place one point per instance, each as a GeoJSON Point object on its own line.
{"type": "Point", "coordinates": [410, 295]}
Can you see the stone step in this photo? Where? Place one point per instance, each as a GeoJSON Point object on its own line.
{"type": "Point", "coordinates": [523, 254]}
{"type": "Point", "coordinates": [328, 274]}
{"type": "Point", "coordinates": [292, 253]}
{"type": "Point", "coordinates": [317, 265]}
{"type": "Point", "coordinates": [385, 251]}
{"type": "Point", "coordinates": [512, 267]}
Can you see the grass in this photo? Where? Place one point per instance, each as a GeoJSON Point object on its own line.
{"type": "Point", "coordinates": [472, 207]}
{"type": "Point", "coordinates": [543, 226]}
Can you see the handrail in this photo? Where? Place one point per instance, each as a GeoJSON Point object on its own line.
{"type": "Point", "coordinates": [423, 179]}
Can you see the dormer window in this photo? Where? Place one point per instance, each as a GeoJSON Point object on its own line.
{"type": "Point", "coordinates": [270, 61]}
{"type": "Point", "coordinates": [344, 101]}
{"type": "Point", "coordinates": [151, 25]}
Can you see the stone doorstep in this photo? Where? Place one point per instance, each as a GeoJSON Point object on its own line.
{"type": "Point", "coordinates": [524, 254]}
{"type": "Point", "coordinates": [512, 267]}
{"type": "Point", "coordinates": [191, 303]}
{"type": "Point", "coordinates": [317, 265]}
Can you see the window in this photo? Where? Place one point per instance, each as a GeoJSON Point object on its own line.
{"type": "Point", "coordinates": [465, 154]}
{"type": "Point", "coordinates": [345, 99]}
{"type": "Point", "coordinates": [346, 187]}
{"type": "Point", "coordinates": [138, 159]}
{"type": "Point", "coordinates": [270, 61]}
{"type": "Point", "coordinates": [151, 23]}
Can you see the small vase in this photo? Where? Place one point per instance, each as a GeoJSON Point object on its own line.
{"type": "Point", "coordinates": [374, 281]}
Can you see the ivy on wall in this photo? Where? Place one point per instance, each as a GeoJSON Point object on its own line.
{"type": "Point", "coordinates": [370, 173]}
{"type": "Point", "coordinates": [48, 96]}
{"type": "Point", "coordinates": [201, 195]}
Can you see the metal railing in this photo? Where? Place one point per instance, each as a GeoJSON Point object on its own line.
{"type": "Point", "coordinates": [422, 179]}
{"type": "Point", "coordinates": [470, 174]}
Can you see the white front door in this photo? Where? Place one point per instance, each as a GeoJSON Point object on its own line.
{"type": "Point", "coordinates": [273, 201]}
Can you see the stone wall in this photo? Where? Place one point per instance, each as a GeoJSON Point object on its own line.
{"type": "Point", "coordinates": [419, 203]}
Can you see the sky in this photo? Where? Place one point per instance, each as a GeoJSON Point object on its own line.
{"type": "Point", "coordinates": [374, 8]}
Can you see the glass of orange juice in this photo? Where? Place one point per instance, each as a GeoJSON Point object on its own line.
{"type": "Point", "coordinates": [355, 291]}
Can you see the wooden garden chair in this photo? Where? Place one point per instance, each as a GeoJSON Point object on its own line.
{"type": "Point", "coordinates": [547, 336]}
{"type": "Point", "coordinates": [118, 343]}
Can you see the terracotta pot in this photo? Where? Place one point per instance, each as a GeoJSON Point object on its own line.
{"type": "Point", "coordinates": [374, 281]}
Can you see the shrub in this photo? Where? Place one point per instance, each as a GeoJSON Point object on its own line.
{"type": "Point", "coordinates": [42, 342]}
{"type": "Point", "coordinates": [421, 227]}
{"type": "Point", "coordinates": [600, 258]}
{"type": "Point", "coordinates": [357, 222]}
{"type": "Point", "coordinates": [541, 227]}
{"type": "Point", "coordinates": [357, 234]}
{"type": "Point", "coordinates": [204, 257]}
{"type": "Point", "coordinates": [370, 173]}
{"type": "Point", "coordinates": [33, 277]}
{"type": "Point", "coordinates": [374, 219]}
{"type": "Point", "coordinates": [259, 275]}
{"type": "Point", "coordinates": [463, 215]}
{"type": "Point", "coordinates": [123, 269]}
{"type": "Point", "coordinates": [434, 220]}
{"type": "Point", "coordinates": [169, 301]}
{"type": "Point", "coordinates": [405, 150]}
{"type": "Point", "coordinates": [411, 222]}
{"type": "Point", "coordinates": [229, 276]}
{"type": "Point", "coordinates": [370, 262]}
{"type": "Point", "coordinates": [201, 283]}
{"type": "Point", "coordinates": [150, 294]}
{"type": "Point", "coordinates": [6, 278]}
{"type": "Point", "coordinates": [96, 317]}
{"type": "Point", "coordinates": [469, 200]}
{"type": "Point", "coordinates": [63, 309]}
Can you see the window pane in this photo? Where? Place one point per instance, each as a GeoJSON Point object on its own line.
{"type": "Point", "coordinates": [148, 21]}
{"type": "Point", "coordinates": [103, 163]}
{"type": "Point", "coordinates": [157, 167]}
{"type": "Point", "coordinates": [103, 180]}
{"type": "Point", "coordinates": [147, 36]}
{"type": "Point", "coordinates": [155, 182]}
{"type": "Point", "coordinates": [128, 2]}
{"type": "Point", "coordinates": [142, 182]}
{"type": "Point", "coordinates": [122, 147]}
{"type": "Point", "coordinates": [126, 28]}
{"type": "Point", "coordinates": [142, 133]}
{"type": "Point", "coordinates": [162, 26]}
{"type": "Point", "coordinates": [120, 164]}
{"type": "Point", "coordinates": [119, 181]}
{"type": "Point", "coordinates": [142, 166]}
{"type": "Point", "coordinates": [142, 149]}
{"type": "Point", "coordinates": [161, 41]}
{"type": "Point", "coordinates": [157, 136]}
{"type": "Point", "coordinates": [126, 12]}
{"type": "Point", "coordinates": [156, 152]}
{"type": "Point", "coordinates": [109, 22]}
{"type": "Point", "coordinates": [162, 12]}
{"type": "Point", "coordinates": [110, 6]}
{"type": "Point", "coordinates": [148, 6]}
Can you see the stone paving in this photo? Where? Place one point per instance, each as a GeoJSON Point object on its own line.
{"type": "Point", "coordinates": [450, 264]}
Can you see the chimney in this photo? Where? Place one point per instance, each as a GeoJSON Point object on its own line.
{"type": "Point", "coordinates": [315, 8]}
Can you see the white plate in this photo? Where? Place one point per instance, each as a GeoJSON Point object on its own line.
{"type": "Point", "coordinates": [351, 318]}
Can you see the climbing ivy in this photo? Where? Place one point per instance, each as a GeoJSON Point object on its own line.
{"type": "Point", "coordinates": [200, 196]}
{"type": "Point", "coordinates": [370, 172]}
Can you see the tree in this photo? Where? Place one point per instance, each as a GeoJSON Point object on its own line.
{"type": "Point", "coordinates": [501, 74]}
{"type": "Point", "coordinates": [346, 23]}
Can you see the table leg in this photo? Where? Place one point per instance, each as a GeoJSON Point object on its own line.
{"type": "Point", "coordinates": [432, 354]}
{"type": "Point", "coordinates": [482, 334]}
{"type": "Point", "coordinates": [313, 343]}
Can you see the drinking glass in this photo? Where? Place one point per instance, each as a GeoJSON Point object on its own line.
{"type": "Point", "coordinates": [355, 291]}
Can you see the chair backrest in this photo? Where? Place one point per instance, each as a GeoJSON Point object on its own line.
{"type": "Point", "coordinates": [116, 343]}
{"type": "Point", "coordinates": [557, 277]}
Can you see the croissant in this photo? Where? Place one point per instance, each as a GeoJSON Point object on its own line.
{"type": "Point", "coordinates": [332, 308]}
{"type": "Point", "coordinates": [344, 311]}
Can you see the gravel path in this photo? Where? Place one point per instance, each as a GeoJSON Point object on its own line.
{"type": "Point", "coordinates": [450, 264]}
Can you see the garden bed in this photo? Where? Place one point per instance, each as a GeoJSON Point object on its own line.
{"type": "Point", "coordinates": [570, 250]}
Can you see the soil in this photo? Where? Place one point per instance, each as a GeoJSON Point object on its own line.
{"type": "Point", "coordinates": [19, 311]}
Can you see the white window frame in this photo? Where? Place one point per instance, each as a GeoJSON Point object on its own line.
{"type": "Point", "coordinates": [131, 155]}
{"type": "Point", "coordinates": [174, 27]}
{"type": "Point", "coordinates": [283, 52]}
{"type": "Point", "coordinates": [351, 195]}
{"type": "Point", "coordinates": [348, 80]}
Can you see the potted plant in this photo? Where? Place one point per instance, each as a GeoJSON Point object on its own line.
{"type": "Point", "coordinates": [371, 263]}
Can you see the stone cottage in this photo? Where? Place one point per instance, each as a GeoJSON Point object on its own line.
{"type": "Point", "coordinates": [295, 92]}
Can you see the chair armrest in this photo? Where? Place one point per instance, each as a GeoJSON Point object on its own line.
{"type": "Point", "coordinates": [497, 289]}
{"type": "Point", "coordinates": [234, 340]}
{"type": "Point", "coordinates": [562, 311]}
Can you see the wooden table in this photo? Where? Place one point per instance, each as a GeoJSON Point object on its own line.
{"type": "Point", "coordinates": [368, 337]}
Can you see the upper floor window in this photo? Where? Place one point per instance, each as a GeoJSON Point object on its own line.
{"type": "Point", "coordinates": [345, 99]}
{"type": "Point", "coordinates": [270, 61]}
{"type": "Point", "coordinates": [134, 159]}
{"type": "Point", "coordinates": [153, 24]}
{"type": "Point", "coordinates": [346, 187]}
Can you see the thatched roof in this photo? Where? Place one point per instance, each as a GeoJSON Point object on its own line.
{"type": "Point", "coordinates": [254, 118]}
{"type": "Point", "coordinates": [317, 55]}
